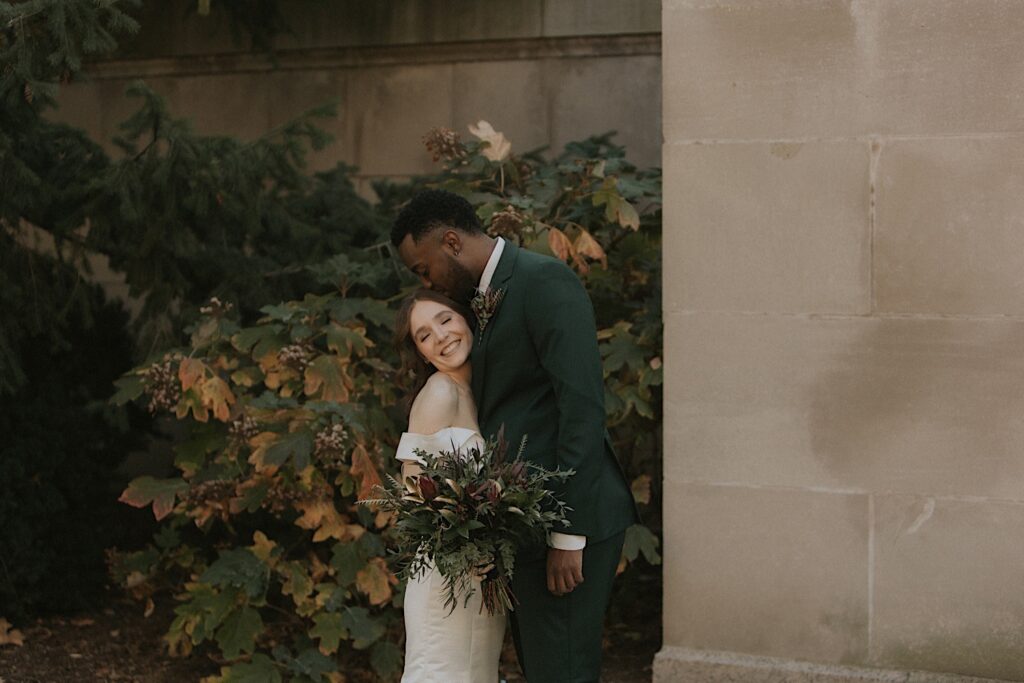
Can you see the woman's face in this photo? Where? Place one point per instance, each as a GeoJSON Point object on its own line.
{"type": "Point", "coordinates": [441, 335]}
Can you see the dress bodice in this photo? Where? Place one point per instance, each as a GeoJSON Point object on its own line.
{"type": "Point", "coordinates": [448, 439]}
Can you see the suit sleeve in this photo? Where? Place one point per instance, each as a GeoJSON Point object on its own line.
{"type": "Point", "coordinates": [561, 327]}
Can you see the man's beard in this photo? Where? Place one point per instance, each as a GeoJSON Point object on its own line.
{"type": "Point", "coordinates": [463, 284]}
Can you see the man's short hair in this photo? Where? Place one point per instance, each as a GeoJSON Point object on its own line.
{"type": "Point", "coordinates": [432, 209]}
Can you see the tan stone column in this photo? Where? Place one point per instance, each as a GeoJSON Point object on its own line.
{"type": "Point", "coordinates": [844, 312]}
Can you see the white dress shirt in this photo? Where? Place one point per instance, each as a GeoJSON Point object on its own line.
{"type": "Point", "coordinates": [555, 539]}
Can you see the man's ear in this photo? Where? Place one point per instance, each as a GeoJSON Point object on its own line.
{"type": "Point", "coordinates": [451, 241]}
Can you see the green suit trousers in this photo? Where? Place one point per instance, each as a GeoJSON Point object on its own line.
{"type": "Point", "coordinates": [558, 639]}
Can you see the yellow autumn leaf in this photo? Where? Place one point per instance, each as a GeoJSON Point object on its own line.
{"type": "Point", "coordinates": [328, 522]}
{"type": "Point", "coordinates": [217, 396]}
{"type": "Point", "coordinates": [317, 568]}
{"type": "Point", "coordinates": [587, 246]}
{"type": "Point", "coordinates": [263, 548]}
{"type": "Point", "coordinates": [375, 581]}
{"type": "Point", "coordinates": [327, 374]}
{"type": "Point", "coordinates": [192, 401]}
{"type": "Point", "coordinates": [497, 146]}
{"type": "Point", "coordinates": [365, 471]}
{"type": "Point", "coordinates": [275, 374]}
{"type": "Point", "coordinates": [259, 444]}
{"type": "Point", "coordinates": [9, 635]}
{"type": "Point", "coordinates": [297, 582]}
{"type": "Point", "coordinates": [190, 371]}
{"type": "Point", "coordinates": [384, 518]}
{"type": "Point", "coordinates": [627, 215]}
{"type": "Point", "coordinates": [641, 488]}
{"type": "Point", "coordinates": [560, 244]}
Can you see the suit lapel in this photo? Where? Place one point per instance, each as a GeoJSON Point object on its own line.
{"type": "Point", "coordinates": [502, 275]}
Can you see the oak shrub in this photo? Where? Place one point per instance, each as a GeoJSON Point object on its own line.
{"type": "Point", "coordinates": [290, 420]}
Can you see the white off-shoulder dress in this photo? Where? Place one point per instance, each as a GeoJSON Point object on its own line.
{"type": "Point", "coordinates": [461, 647]}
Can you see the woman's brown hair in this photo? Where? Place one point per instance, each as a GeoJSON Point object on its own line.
{"type": "Point", "coordinates": [415, 371]}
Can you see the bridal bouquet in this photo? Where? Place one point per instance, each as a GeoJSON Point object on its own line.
{"type": "Point", "coordinates": [466, 514]}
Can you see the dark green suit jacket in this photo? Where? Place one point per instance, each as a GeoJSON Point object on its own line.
{"type": "Point", "coordinates": [537, 371]}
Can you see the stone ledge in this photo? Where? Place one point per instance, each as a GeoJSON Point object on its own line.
{"type": "Point", "coordinates": [347, 57]}
{"type": "Point", "coordinates": [683, 665]}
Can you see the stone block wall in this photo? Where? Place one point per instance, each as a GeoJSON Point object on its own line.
{"type": "Point", "coordinates": [844, 285]}
{"type": "Point", "coordinates": [544, 72]}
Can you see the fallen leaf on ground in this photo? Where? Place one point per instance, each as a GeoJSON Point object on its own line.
{"type": "Point", "coordinates": [10, 636]}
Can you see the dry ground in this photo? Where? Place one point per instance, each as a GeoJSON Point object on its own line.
{"type": "Point", "coordinates": [118, 644]}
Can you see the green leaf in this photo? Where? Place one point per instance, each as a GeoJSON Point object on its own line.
{"type": "Point", "coordinates": [283, 312]}
{"type": "Point", "coordinates": [640, 539]}
{"type": "Point", "coordinates": [347, 561]}
{"type": "Point", "coordinates": [260, 670]}
{"type": "Point", "coordinates": [160, 492]}
{"type": "Point", "coordinates": [129, 388]}
{"type": "Point", "coordinates": [326, 376]}
{"type": "Point", "coordinates": [386, 659]}
{"type": "Point", "coordinates": [249, 337]}
{"type": "Point", "coordinates": [238, 632]}
{"type": "Point", "coordinates": [206, 608]}
{"type": "Point", "coordinates": [363, 628]}
{"type": "Point", "coordinates": [238, 567]}
{"type": "Point", "coordinates": [371, 310]}
{"type": "Point", "coordinates": [297, 582]}
{"type": "Point", "coordinates": [329, 629]}
{"type": "Point", "coordinates": [254, 496]}
{"type": "Point", "coordinates": [346, 341]}
{"type": "Point", "coordinates": [312, 663]}
{"type": "Point", "coordinates": [371, 544]}
{"type": "Point", "coordinates": [622, 349]}
{"type": "Point", "coordinates": [297, 445]}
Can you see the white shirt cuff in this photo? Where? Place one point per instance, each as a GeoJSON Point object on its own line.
{"type": "Point", "coordinates": [561, 541]}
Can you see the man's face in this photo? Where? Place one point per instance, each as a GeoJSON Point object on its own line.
{"type": "Point", "coordinates": [433, 261]}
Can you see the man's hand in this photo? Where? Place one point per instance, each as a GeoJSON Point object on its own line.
{"type": "Point", "coordinates": [565, 570]}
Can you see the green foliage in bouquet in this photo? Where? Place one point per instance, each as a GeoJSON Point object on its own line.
{"type": "Point", "coordinates": [466, 513]}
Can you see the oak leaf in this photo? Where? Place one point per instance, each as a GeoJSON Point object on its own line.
{"type": "Point", "coordinates": [160, 492]}
{"type": "Point", "coordinates": [217, 396]}
{"type": "Point", "coordinates": [190, 371]}
{"type": "Point", "coordinates": [263, 548]}
{"type": "Point", "coordinates": [296, 582]}
{"type": "Point", "coordinates": [586, 245]}
{"type": "Point", "coordinates": [641, 488]}
{"type": "Point", "coordinates": [375, 581]}
{"type": "Point", "coordinates": [329, 523]}
{"type": "Point", "coordinates": [497, 146]}
{"type": "Point", "coordinates": [364, 469]}
{"type": "Point", "coordinates": [329, 628]}
{"type": "Point", "coordinates": [327, 373]}
{"type": "Point", "coordinates": [560, 244]}
{"type": "Point", "coordinates": [10, 636]}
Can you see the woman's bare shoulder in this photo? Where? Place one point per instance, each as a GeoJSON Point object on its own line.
{"type": "Point", "coordinates": [436, 406]}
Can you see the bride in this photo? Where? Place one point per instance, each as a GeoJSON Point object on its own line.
{"type": "Point", "coordinates": [434, 340]}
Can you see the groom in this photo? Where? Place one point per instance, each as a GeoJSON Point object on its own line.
{"type": "Point", "coordinates": [537, 371]}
